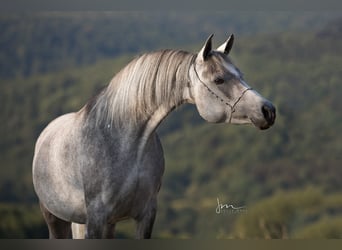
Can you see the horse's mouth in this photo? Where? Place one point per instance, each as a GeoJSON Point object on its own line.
{"type": "Point", "coordinates": [263, 124]}
{"type": "Point", "coordinates": [265, 127]}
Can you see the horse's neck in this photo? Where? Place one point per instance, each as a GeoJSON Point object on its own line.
{"type": "Point", "coordinates": [132, 135]}
{"type": "Point", "coordinates": [138, 121]}
{"type": "Point", "coordinates": [151, 125]}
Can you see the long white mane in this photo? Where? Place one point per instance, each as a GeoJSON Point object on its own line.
{"type": "Point", "coordinates": [147, 82]}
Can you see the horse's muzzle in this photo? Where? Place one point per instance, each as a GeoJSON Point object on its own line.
{"type": "Point", "coordinates": [269, 112]}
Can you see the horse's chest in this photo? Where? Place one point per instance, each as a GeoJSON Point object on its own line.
{"type": "Point", "coordinates": [124, 178]}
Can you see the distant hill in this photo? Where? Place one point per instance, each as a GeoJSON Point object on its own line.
{"type": "Point", "coordinates": [52, 41]}
{"type": "Point", "coordinates": [299, 71]}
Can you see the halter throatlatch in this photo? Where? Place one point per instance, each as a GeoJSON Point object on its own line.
{"type": "Point", "coordinates": [226, 102]}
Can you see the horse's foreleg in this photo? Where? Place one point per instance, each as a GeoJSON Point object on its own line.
{"type": "Point", "coordinates": [97, 226]}
{"type": "Point", "coordinates": [110, 231]}
{"type": "Point", "coordinates": [146, 221]}
{"type": "Point", "coordinates": [78, 231]}
{"type": "Point", "coordinates": [96, 220]}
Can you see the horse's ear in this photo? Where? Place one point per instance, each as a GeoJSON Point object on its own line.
{"type": "Point", "coordinates": [227, 45]}
{"type": "Point", "coordinates": [204, 53]}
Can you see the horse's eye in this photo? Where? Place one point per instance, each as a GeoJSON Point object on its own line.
{"type": "Point", "coordinates": [219, 80]}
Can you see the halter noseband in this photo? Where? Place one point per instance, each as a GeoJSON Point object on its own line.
{"type": "Point", "coordinates": [232, 107]}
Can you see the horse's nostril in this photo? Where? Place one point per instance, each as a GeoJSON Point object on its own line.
{"type": "Point", "coordinates": [269, 112]}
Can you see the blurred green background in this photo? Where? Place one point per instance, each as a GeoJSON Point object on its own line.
{"type": "Point", "coordinates": [288, 178]}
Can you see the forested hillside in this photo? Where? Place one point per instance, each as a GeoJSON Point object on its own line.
{"type": "Point", "coordinates": [289, 178]}
{"type": "Point", "coordinates": [53, 41]}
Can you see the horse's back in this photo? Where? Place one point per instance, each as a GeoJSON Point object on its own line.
{"type": "Point", "coordinates": [56, 174]}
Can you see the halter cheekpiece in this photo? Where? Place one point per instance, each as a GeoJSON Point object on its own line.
{"type": "Point", "coordinates": [232, 107]}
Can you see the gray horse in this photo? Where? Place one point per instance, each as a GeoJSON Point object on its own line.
{"type": "Point", "coordinates": [105, 162]}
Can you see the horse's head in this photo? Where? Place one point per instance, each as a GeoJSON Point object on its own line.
{"type": "Point", "coordinates": [221, 94]}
